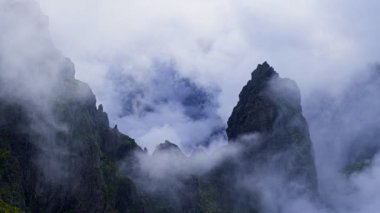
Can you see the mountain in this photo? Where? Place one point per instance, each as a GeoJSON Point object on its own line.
{"type": "Point", "coordinates": [59, 154]}
{"type": "Point", "coordinates": [76, 164]}
{"type": "Point", "coordinates": [272, 138]}
{"type": "Point", "coordinates": [270, 108]}
{"type": "Point", "coordinates": [63, 160]}
{"type": "Point", "coordinates": [276, 151]}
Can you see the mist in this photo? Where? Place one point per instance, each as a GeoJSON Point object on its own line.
{"type": "Point", "coordinates": [174, 71]}
{"type": "Point", "coordinates": [33, 73]}
{"type": "Point", "coordinates": [215, 44]}
{"type": "Point", "coordinates": [344, 132]}
{"type": "Point", "coordinates": [165, 105]}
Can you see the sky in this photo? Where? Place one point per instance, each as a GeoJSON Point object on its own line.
{"type": "Point", "coordinates": [206, 46]}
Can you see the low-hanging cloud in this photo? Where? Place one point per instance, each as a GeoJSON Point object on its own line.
{"type": "Point", "coordinates": [344, 133]}
{"type": "Point", "coordinates": [214, 43]}
{"type": "Point", "coordinates": [344, 129]}
{"type": "Point", "coordinates": [32, 75]}
{"type": "Point", "coordinates": [166, 105]}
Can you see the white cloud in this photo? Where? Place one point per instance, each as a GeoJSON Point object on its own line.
{"type": "Point", "coordinates": [215, 42]}
{"type": "Point", "coordinates": [320, 44]}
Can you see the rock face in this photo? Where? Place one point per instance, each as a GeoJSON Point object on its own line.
{"type": "Point", "coordinates": [269, 107]}
{"type": "Point", "coordinates": [267, 123]}
{"type": "Point", "coordinates": [255, 111]}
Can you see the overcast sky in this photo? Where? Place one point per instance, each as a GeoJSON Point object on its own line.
{"type": "Point", "coordinates": [213, 45]}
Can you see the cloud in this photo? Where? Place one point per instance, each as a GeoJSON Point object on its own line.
{"type": "Point", "coordinates": [32, 75]}
{"type": "Point", "coordinates": [165, 164]}
{"type": "Point", "coordinates": [344, 131]}
{"type": "Point", "coordinates": [213, 43]}
{"type": "Point", "coordinates": [164, 106]}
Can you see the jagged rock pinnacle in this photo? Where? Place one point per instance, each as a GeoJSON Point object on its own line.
{"type": "Point", "coordinates": [263, 72]}
{"type": "Point", "coordinates": [270, 107]}
{"type": "Point", "coordinates": [255, 111]}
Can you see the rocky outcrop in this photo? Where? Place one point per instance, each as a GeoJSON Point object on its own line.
{"type": "Point", "coordinates": [269, 107]}
{"type": "Point", "coordinates": [256, 111]}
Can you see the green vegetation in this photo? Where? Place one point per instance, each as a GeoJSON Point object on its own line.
{"type": "Point", "coordinates": [10, 184]}
{"type": "Point", "coordinates": [207, 202]}
{"type": "Point", "coordinates": [109, 170]}
{"type": "Point", "coordinates": [4, 155]}
{"type": "Point", "coordinates": [7, 208]}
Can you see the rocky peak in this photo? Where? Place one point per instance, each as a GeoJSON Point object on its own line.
{"type": "Point", "coordinates": [261, 101]}
{"type": "Point", "coordinates": [270, 107]}
{"type": "Point", "coordinates": [255, 111]}
{"type": "Point", "coordinates": [167, 146]}
{"type": "Point", "coordinates": [264, 72]}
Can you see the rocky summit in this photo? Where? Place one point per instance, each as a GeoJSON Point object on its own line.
{"type": "Point", "coordinates": [268, 118]}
